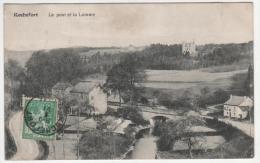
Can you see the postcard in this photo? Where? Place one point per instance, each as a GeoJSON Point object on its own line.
{"type": "Point", "coordinates": [128, 81]}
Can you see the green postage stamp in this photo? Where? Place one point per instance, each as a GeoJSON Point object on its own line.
{"type": "Point", "coordinates": [39, 118]}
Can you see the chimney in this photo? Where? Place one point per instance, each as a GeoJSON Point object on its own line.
{"type": "Point", "coordinates": [230, 96]}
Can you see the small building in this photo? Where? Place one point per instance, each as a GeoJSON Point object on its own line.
{"type": "Point", "coordinates": [61, 90]}
{"type": "Point", "coordinates": [189, 48]}
{"type": "Point", "coordinates": [114, 98]}
{"type": "Point", "coordinates": [237, 107]}
{"type": "Point", "coordinates": [92, 94]}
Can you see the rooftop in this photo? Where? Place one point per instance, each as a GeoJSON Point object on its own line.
{"type": "Point", "coordinates": [235, 100]}
{"type": "Point", "coordinates": [61, 86]}
{"type": "Point", "coordinates": [84, 87]}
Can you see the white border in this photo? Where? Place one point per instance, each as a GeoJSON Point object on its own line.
{"type": "Point", "coordinates": [256, 159]}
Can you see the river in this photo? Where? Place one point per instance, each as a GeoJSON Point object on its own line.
{"type": "Point", "coordinates": [145, 148]}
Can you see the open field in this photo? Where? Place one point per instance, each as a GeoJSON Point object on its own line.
{"type": "Point", "coordinates": [181, 79]}
{"type": "Point", "coordinates": [189, 78]}
{"type": "Point", "coordinates": [175, 82]}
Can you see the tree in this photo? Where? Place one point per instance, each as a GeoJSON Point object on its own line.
{"type": "Point", "coordinates": [15, 74]}
{"type": "Point", "coordinates": [249, 82]}
{"type": "Point", "coordinates": [249, 89]}
{"type": "Point", "coordinates": [183, 131]}
{"type": "Point", "coordinates": [116, 80]}
{"type": "Point", "coordinates": [99, 145]}
{"type": "Point", "coordinates": [180, 130]}
{"type": "Point", "coordinates": [125, 77]}
{"type": "Point", "coordinates": [220, 96]}
{"type": "Point", "coordinates": [13, 70]}
{"type": "Point", "coordinates": [45, 68]}
{"type": "Point", "coordinates": [205, 91]}
{"type": "Point", "coordinates": [133, 114]}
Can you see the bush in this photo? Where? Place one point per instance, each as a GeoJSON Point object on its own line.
{"type": "Point", "coordinates": [217, 97]}
{"type": "Point", "coordinates": [10, 146]}
{"type": "Point", "coordinates": [98, 145]}
{"type": "Point", "coordinates": [44, 150]}
{"type": "Point", "coordinates": [165, 142]}
{"type": "Point", "coordinates": [111, 112]}
{"type": "Point", "coordinates": [133, 114]}
{"type": "Point", "coordinates": [144, 100]}
{"type": "Point", "coordinates": [159, 128]}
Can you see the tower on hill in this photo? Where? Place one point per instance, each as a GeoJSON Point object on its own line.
{"type": "Point", "coordinates": [189, 48]}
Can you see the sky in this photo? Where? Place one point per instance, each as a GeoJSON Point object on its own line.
{"type": "Point", "coordinates": [125, 24]}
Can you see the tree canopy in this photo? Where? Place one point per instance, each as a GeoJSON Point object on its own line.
{"type": "Point", "coordinates": [99, 145]}
{"type": "Point", "coordinates": [45, 68]}
{"type": "Point", "coordinates": [125, 77]}
{"type": "Point", "coordinates": [172, 131]}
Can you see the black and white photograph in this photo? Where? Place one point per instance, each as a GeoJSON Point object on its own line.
{"type": "Point", "coordinates": [123, 81]}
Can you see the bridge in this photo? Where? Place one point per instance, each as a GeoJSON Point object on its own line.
{"type": "Point", "coordinates": [150, 112]}
{"type": "Point", "coordinates": [153, 113]}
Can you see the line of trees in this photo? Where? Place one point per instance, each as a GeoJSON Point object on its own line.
{"type": "Point", "coordinates": [44, 69]}
{"type": "Point", "coordinates": [170, 57]}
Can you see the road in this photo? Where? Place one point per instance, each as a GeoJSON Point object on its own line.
{"type": "Point", "coordinates": [247, 128]}
{"type": "Point", "coordinates": [26, 149]}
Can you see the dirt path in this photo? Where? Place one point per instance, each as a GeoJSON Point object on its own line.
{"type": "Point", "coordinates": [26, 149]}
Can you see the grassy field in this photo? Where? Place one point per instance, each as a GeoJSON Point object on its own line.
{"type": "Point", "coordinates": [174, 83]}
{"type": "Point", "coordinates": [187, 77]}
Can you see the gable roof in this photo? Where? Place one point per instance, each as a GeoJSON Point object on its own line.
{"type": "Point", "coordinates": [235, 100]}
{"type": "Point", "coordinates": [84, 87]}
{"type": "Point", "coordinates": [61, 86]}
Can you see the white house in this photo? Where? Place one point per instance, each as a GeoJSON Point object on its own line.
{"type": "Point", "coordinates": [189, 47]}
{"type": "Point", "coordinates": [237, 107]}
{"type": "Point", "coordinates": [98, 99]}
{"type": "Point", "coordinates": [92, 94]}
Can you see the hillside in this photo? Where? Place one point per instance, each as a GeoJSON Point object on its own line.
{"type": "Point", "coordinates": [156, 56]}
{"type": "Point", "coordinates": [20, 56]}
{"type": "Point", "coordinates": [95, 55]}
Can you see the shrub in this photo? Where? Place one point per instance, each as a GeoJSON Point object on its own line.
{"type": "Point", "coordinates": [99, 145]}
{"type": "Point", "coordinates": [159, 128]}
{"type": "Point", "coordinates": [10, 146]}
{"type": "Point", "coordinates": [165, 142]}
{"type": "Point", "coordinates": [133, 114]}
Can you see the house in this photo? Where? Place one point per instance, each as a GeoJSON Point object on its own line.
{"type": "Point", "coordinates": [61, 90]}
{"type": "Point", "coordinates": [189, 48]}
{"type": "Point", "coordinates": [116, 125]}
{"type": "Point", "coordinates": [114, 98]}
{"type": "Point", "coordinates": [237, 107]}
{"type": "Point", "coordinates": [92, 94]}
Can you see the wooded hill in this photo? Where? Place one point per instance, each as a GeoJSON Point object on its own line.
{"type": "Point", "coordinates": [170, 57]}
{"type": "Point", "coordinates": [157, 56]}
